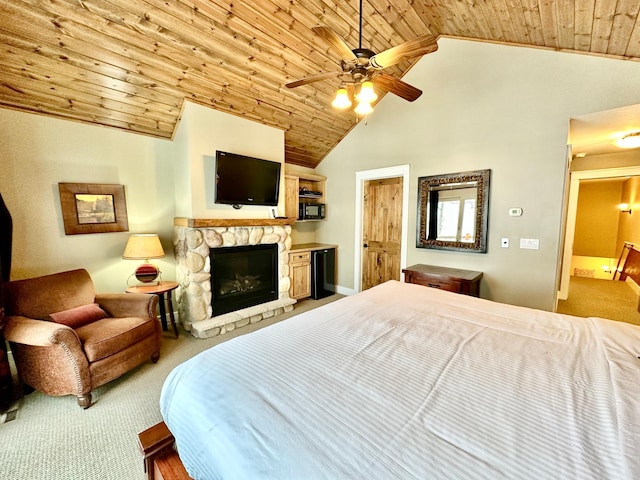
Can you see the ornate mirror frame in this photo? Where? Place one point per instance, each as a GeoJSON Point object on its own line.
{"type": "Point", "coordinates": [426, 185]}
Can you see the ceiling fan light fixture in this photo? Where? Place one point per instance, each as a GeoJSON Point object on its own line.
{"type": "Point", "coordinates": [366, 93]}
{"type": "Point", "coordinates": [631, 140]}
{"type": "Point", "coordinates": [341, 101]}
{"type": "Point", "coordinates": [363, 108]}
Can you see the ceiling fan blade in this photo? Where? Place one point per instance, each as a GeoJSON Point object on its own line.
{"type": "Point", "coordinates": [335, 41]}
{"type": "Point", "coordinates": [313, 78]}
{"type": "Point", "coordinates": [419, 46]}
{"type": "Point", "coordinates": [397, 87]}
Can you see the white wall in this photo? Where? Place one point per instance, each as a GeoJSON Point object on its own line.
{"type": "Point", "coordinates": [484, 106]}
{"type": "Point", "coordinates": [38, 152]}
{"type": "Point", "coordinates": [201, 132]}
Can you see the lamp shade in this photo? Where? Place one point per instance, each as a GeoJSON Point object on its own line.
{"type": "Point", "coordinates": [144, 247]}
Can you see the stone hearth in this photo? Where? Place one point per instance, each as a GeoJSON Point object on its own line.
{"type": "Point", "coordinates": [192, 241]}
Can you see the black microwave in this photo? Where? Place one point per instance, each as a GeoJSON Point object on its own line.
{"type": "Point", "coordinates": [311, 211]}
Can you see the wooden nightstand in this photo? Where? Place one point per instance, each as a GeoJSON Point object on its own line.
{"type": "Point", "coordinates": [159, 290]}
{"type": "Point", "coordinates": [451, 279]}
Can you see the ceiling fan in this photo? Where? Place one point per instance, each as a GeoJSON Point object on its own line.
{"type": "Point", "coordinates": [361, 69]}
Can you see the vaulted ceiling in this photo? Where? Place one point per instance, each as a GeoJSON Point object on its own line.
{"type": "Point", "coordinates": [130, 64]}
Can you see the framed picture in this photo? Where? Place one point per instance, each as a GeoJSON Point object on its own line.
{"type": "Point", "coordinates": [93, 208]}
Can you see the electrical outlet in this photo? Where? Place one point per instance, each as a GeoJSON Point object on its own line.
{"type": "Point", "coordinates": [515, 212]}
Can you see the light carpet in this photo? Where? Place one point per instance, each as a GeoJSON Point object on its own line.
{"type": "Point", "coordinates": [594, 297]}
{"type": "Point", "coordinates": [52, 438]}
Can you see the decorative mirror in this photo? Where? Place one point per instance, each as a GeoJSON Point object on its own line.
{"type": "Point", "coordinates": [453, 211]}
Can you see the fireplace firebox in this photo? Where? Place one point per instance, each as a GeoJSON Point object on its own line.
{"type": "Point", "coordinates": [243, 276]}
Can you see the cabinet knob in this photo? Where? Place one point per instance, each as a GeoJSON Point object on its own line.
{"type": "Point", "coordinates": [366, 245]}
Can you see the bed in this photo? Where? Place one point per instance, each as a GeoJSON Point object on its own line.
{"type": "Point", "coordinates": [405, 381]}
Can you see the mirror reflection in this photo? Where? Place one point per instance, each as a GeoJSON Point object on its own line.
{"type": "Point", "coordinates": [453, 211]}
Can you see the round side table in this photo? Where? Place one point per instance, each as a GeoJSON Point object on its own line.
{"type": "Point", "coordinates": [160, 290]}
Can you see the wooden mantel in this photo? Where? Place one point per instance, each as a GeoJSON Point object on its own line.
{"type": "Point", "coordinates": [230, 222]}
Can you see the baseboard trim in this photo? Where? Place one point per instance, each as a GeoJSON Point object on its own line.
{"type": "Point", "coordinates": [345, 291]}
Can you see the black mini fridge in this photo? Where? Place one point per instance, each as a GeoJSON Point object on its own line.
{"type": "Point", "coordinates": [323, 273]}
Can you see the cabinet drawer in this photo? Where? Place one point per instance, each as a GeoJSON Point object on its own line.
{"type": "Point", "coordinates": [450, 286]}
{"type": "Point", "coordinates": [303, 257]}
{"type": "Point", "coordinates": [450, 279]}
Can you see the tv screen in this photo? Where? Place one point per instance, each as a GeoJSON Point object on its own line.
{"type": "Point", "coordinates": [242, 180]}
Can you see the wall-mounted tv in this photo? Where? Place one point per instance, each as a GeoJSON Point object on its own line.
{"type": "Point", "coordinates": [242, 180]}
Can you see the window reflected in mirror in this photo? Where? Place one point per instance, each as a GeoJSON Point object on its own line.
{"type": "Point", "coordinates": [453, 211]}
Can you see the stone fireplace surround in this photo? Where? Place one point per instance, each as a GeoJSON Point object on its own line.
{"type": "Point", "coordinates": [192, 240]}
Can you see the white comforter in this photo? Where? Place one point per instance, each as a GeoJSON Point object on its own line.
{"type": "Point", "coordinates": [404, 381]}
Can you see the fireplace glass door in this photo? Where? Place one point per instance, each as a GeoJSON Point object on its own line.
{"type": "Point", "coordinates": [243, 276]}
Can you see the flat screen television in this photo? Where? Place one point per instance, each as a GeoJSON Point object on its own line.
{"type": "Point", "coordinates": [242, 180]}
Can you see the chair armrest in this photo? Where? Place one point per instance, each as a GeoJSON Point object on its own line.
{"type": "Point", "coordinates": [49, 356]}
{"type": "Point", "coordinates": [39, 333]}
{"type": "Point", "coordinates": [128, 304]}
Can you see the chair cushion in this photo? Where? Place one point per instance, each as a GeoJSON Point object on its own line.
{"type": "Point", "coordinates": [79, 316]}
{"type": "Point", "coordinates": [105, 337]}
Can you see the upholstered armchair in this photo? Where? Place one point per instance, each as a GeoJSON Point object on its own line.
{"type": "Point", "coordinates": [68, 340]}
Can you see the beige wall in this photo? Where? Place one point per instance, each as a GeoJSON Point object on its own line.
{"type": "Point", "coordinates": [625, 158]}
{"type": "Point", "coordinates": [484, 106]}
{"type": "Point", "coordinates": [38, 152]}
{"type": "Point", "coordinates": [162, 179]}
{"type": "Point", "coordinates": [597, 218]}
{"type": "Point", "coordinates": [629, 230]}
{"type": "Point", "coordinates": [202, 131]}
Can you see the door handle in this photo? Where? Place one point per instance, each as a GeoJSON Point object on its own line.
{"type": "Point", "coordinates": [366, 245]}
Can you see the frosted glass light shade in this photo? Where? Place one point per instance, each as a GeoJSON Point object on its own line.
{"type": "Point", "coordinates": [631, 140]}
{"type": "Point", "coordinates": [342, 100]}
{"type": "Point", "coordinates": [363, 108]}
{"type": "Point", "coordinates": [366, 93]}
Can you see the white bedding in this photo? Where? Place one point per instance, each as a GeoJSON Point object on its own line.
{"type": "Point", "coordinates": [405, 381]}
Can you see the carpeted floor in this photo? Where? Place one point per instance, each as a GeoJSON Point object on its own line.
{"type": "Point", "coordinates": [52, 438]}
{"type": "Point", "coordinates": [593, 297]}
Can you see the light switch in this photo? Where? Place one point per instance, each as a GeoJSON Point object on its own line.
{"type": "Point", "coordinates": [505, 242]}
{"type": "Point", "coordinates": [530, 243]}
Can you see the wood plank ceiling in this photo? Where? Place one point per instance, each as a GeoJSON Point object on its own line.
{"type": "Point", "coordinates": [130, 64]}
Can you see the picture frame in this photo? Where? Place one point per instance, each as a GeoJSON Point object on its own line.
{"type": "Point", "coordinates": [93, 208]}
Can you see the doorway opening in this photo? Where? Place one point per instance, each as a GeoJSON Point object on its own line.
{"type": "Point", "coordinates": [401, 172]}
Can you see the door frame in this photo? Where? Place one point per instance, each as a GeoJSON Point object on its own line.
{"type": "Point", "coordinates": [572, 209]}
{"type": "Point", "coordinates": [376, 174]}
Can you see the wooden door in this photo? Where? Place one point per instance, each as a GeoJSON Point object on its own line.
{"type": "Point", "coordinates": [381, 231]}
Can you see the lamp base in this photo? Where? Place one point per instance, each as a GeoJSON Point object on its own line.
{"type": "Point", "coordinates": [147, 273]}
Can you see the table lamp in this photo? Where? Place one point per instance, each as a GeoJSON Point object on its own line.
{"type": "Point", "coordinates": [143, 247]}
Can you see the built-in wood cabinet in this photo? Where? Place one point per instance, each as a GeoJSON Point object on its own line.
{"type": "Point", "coordinates": [451, 279]}
{"type": "Point", "coordinates": [298, 186]}
{"type": "Point", "coordinates": [291, 197]}
{"type": "Point", "coordinates": [301, 269]}
{"type": "Point", "coordinates": [300, 274]}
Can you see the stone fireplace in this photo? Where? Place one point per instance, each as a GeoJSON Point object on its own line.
{"type": "Point", "coordinates": [195, 241]}
{"type": "Point", "coordinates": [243, 276]}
